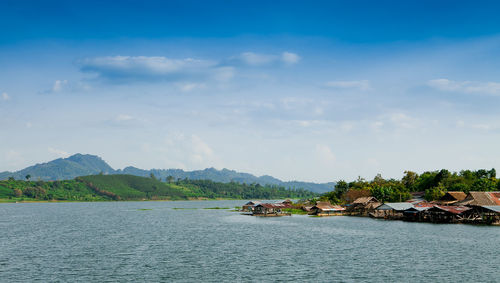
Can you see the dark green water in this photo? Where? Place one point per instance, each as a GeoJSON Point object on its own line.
{"type": "Point", "coordinates": [115, 241]}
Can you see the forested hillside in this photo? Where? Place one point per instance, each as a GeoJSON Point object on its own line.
{"type": "Point", "coordinates": [129, 187]}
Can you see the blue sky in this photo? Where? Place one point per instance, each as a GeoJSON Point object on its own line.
{"type": "Point", "coordinates": [308, 90]}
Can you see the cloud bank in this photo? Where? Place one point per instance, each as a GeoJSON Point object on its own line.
{"type": "Point", "coordinates": [359, 85]}
{"type": "Point", "coordinates": [490, 88]}
{"type": "Point", "coordinates": [128, 68]}
{"type": "Point", "coordinates": [258, 59]}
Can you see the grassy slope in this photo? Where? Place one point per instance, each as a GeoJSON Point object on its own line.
{"type": "Point", "coordinates": [134, 187]}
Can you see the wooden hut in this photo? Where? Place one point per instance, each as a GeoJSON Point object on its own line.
{"type": "Point", "coordinates": [324, 208]}
{"type": "Point", "coordinates": [269, 209]}
{"type": "Point", "coordinates": [446, 213]}
{"type": "Point", "coordinates": [487, 214]}
{"type": "Point", "coordinates": [417, 212]}
{"type": "Point", "coordinates": [391, 210]}
{"type": "Point", "coordinates": [250, 205]}
{"type": "Point", "coordinates": [362, 206]}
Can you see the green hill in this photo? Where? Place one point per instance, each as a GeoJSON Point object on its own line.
{"type": "Point", "coordinates": [62, 168]}
{"type": "Point", "coordinates": [129, 187]}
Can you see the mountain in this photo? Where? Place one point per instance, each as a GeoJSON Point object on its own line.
{"type": "Point", "coordinates": [63, 168]}
{"type": "Point", "coordinates": [86, 164]}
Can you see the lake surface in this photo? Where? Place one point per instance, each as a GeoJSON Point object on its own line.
{"type": "Point", "coordinates": [116, 241]}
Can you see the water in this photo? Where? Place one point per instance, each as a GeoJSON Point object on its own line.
{"type": "Point", "coordinates": [115, 241]}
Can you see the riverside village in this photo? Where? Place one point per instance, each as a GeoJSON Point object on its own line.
{"type": "Point", "coordinates": [453, 207]}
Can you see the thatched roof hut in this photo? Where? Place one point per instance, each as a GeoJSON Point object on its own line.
{"type": "Point", "coordinates": [363, 206]}
{"type": "Point", "coordinates": [324, 207]}
{"type": "Point", "coordinates": [452, 197]}
{"type": "Point", "coordinates": [481, 199]}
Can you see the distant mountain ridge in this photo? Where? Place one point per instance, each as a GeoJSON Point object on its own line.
{"type": "Point", "coordinates": [85, 164]}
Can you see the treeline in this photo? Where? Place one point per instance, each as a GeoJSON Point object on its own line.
{"type": "Point", "coordinates": [434, 184]}
{"type": "Point", "coordinates": [42, 190]}
{"type": "Point", "coordinates": [129, 187]}
{"type": "Point", "coordinates": [236, 190]}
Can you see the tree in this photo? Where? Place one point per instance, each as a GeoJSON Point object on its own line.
{"type": "Point", "coordinates": [409, 180]}
{"type": "Point", "coordinates": [28, 177]}
{"type": "Point", "coordinates": [170, 179]}
{"type": "Point", "coordinates": [378, 180]}
{"type": "Point", "coordinates": [483, 185]}
{"type": "Point", "coordinates": [18, 193]}
{"type": "Point", "coordinates": [152, 176]}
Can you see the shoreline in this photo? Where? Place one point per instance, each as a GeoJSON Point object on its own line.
{"type": "Point", "coordinates": [134, 200]}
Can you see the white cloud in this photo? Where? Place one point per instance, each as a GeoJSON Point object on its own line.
{"type": "Point", "coordinates": [58, 152]}
{"type": "Point", "coordinates": [403, 121]}
{"type": "Point", "coordinates": [491, 88]}
{"type": "Point", "coordinates": [224, 74]}
{"type": "Point", "coordinates": [5, 96]}
{"type": "Point", "coordinates": [290, 58]}
{"type": "Point", "coordinates": [29, 125]}
{"type": "Point", "coordinates": [144, 68]}
{"type": "Point", "coordinates": [189, 150]}
{"type": "Point", "coordinates": [201, 151]}
{"type": "Point", "coordinates": [325, 153]}
{"type": "Point", "coordinates": [123, 117]}
{"type": "Point", "coordinates": [476, 126]}
{"type": "Point", "coordinates": [59, 85]}
{"type": "Point", "coordinates": [187, 87]}
{"type": "Point", "coordinates": [255, 59]}
{"type": "Point", "coordinates": [361, 85]}
{"type": "Point", "coordinates": [376, 126]}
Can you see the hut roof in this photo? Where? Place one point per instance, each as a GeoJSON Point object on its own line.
{"type": "Point", "coordinates": [455, 209]}
{"type": "Point", "coordinates": [326, 206]}
{"type": "Point", "coordinates": [253, 202]}
{"type": "Point", "coordinates": [418, 208]}
{"type": "Point", "coordinates": [398, 206]}
{"type": "Point", "coordinates": [482, 198]}
{"type": "Point", "coordinates": [364, 200]}
{"type": "Point", "coordinates": [272, 205]}
{"type": "Point", "coordinates": [307, 207]}
{"type": "Point", "coordinates": [453, 196]}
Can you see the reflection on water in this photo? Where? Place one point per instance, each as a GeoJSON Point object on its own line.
{"type": "Point", "coordinates": [152, 241]}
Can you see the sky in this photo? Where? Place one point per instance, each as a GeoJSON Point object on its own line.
{"type": "Point", "coordinates": [300, 90]}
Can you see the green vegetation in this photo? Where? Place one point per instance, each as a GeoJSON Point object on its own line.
{"type": "Point", "coordinates": [295, 211]}
{"type": "Point", "coordinates": [216, 207]}
{"type": "Point", "coordinates": [182, 208]}
{"type": "Point", "coordinates": [127, 187]}
{"type": "Point", "coordinates": [70, 190]}
{"type": "Point", "coordinates": [234, 190]}
{"type": "Point", "coordinates": [434, 183]}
